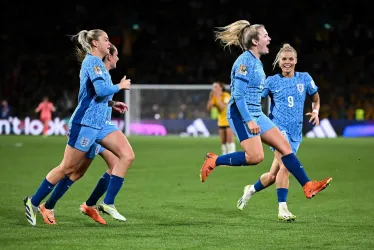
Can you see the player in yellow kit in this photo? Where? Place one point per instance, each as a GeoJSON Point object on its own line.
{"type": "Point", "coordinates": [219, 98]}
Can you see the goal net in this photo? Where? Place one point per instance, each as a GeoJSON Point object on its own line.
{"type": "Point", "coordinates": [171, 110]}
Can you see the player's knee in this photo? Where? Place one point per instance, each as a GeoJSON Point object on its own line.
{"type": "Point", "coordinates": [131, 156]}
{"type": "Point", "coordinates": [127, 155]}
{"type": "Point", "coordinates": [254, 158]}
{"type": "Point", "coordinates": [271, 178]}
{"type": "Point", "coordinates": [68, 169]}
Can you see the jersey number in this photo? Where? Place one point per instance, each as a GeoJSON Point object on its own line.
{"type": "Point", "coordinates": [290, 101]}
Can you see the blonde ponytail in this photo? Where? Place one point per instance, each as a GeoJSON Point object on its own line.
{"type": "Point", "coordinates": [84, 40]}
{"type": "Point", "coordinates": [239, 33]}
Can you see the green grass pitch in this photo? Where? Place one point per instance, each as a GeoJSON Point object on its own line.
{"type": "Point", "coordinates": [167, 207]}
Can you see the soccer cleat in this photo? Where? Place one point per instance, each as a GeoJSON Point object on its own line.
{"type": "Point", "coordinates": [48, 214]}
{"type": "Point", "coordinates": [111, 210]}
{"type": "Point", "coordinates": [208, 166]}
{"type": "Point", "coordinates": [243, 201]}
{"type": "Point", "coordinates": [311, 188]}
{"type": "Point", "coordinates": [31, 211]}
{"type": "Point", "coordinates": [286, 216]}
{"type": "Point", "coordinates": [92, 213]}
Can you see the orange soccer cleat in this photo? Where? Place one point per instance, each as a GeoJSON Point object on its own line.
{"type": "Point", "coordinates": [311, 188]}
{"type": "Point", "coordinates": [92, 213]}
{"type": "Point", "coordinates": [48, 214]}
{"type": "Point", "coordinates": [208, 166]}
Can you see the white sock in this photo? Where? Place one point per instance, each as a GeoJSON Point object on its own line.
{"type": "Point", "coordinates": [252, 189]}
{"type": "Point", "coordinates": [224, 149]}
{"type": "Point", "coordinates": [283, 206]}
{"type": "Point", "coordinates": [231, 147]}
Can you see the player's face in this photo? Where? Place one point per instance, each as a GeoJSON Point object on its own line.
{"type": "Point", "coordinates": [216, 88]}
{"type": "Point", "coordinates": [103, 44]}
{"type": "Point", "coordinates": [114, 60]}
{"type": "Point", "coordinates": [263, 41]}
{"type": "Point", "coordinates": [287, 61]}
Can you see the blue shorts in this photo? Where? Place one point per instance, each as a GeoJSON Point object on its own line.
{"type": "Point", "coordinates": [294, 144]}
{"type": "Point", "coordinates": [240, 127]}
{"type": "Point", "coordinates": [107, 129]}
{"type": "Point", "coordinates": [82, 137]}
{"type": "Point", "coordinates": [94, 150]}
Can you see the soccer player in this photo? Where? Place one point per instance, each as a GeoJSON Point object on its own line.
{"type": "Point", "coordinates": [88, 120]}
{"type": "Point", "coordinates": [288, 91]}
{"type": "Point", "coordinates": [47, 209]}
{"type": "Point", "coordinates": [219, 98]}
{"type": "Point", "coordinates": [244, 111]}
{"type": "Point", "coordinates": [45, 108]}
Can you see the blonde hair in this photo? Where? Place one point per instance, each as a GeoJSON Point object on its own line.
{"type": "Point", "coordinates": [285, 47]}
{"type": "Point", "coordinates": [239, 33]}
{"type": "Point", "coordinates": [84, 42]}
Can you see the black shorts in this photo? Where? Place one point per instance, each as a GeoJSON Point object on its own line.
{"type": "Point", "coordinates": [223, 127]}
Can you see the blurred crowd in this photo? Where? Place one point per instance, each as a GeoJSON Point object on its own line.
{"type": "Point", "coordinates": [172, 42]}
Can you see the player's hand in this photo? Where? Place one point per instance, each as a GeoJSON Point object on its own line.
{"type": "Point", "coordinates": [216, 94]}
{"type": "Point", "coordinates": [313, 118]}
{"type": "Point", "coordinates": [120, 107]}
{"type": "Point", "coordinates": [124, 83]}
{"type": "Point", "coordinates": [253, 127]}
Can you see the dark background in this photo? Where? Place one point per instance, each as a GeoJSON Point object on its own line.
{"type": "Point", "coordinates": [172, 42]}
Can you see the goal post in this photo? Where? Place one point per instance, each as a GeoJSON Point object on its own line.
{"type": "Point", "coordinates": [157, 109]}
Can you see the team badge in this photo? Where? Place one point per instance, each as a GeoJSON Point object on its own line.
{"type": "Point", "coordinates": [97, 70]}
{"type": "Point", "coordinates": [85, 142]}
{"type": "Point", "coordinates": [243, 70]}
{"type": "Point", "coordinates": [300, 87]}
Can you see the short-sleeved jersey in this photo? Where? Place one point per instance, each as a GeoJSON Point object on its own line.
{"type": "Point", "coordinates": [247, 81]}
{"type": "Point", "coordinates": [45, 109]}
{"type": "Point", "coordinates": [92, 109]}
{"type": "Point", "coordinates": [287, 101]}
{"type": "Point", "coordinates": [222, 119]}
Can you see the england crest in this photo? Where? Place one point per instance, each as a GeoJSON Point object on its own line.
{"type": "Point", "coordinates": [300, 87]}
{"type": "Point", "coordinates": [84, 142]}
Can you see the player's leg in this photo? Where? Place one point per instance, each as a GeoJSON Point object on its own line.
{"type": "Point", "coordinates": [45, 122]}
{"type": "Point", "coordinates": [265, 180]}
{"type": "Point", "coordinates": [103, 183]}
{"type": "Point", "coordinates": [222, 136]}
{"type": "Point", "coordinates": [252, 155]}
{"type": "Point", "coordinates": [275, 139]}
{"type": "Point", "coordinates": [63, 185]}
{"type": "Point", "coordinates": [87, 209]}
{"type": "Point", "coordinates": [80, 140]}
{"type": "Point", "coordinates": [282, 183]}
{"type": "Point", "coordinates": [116, 142]}
{"type": "Point", "coordinates": [230, 144]}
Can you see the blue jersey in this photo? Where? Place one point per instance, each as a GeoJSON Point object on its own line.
{"type": "Point", "coordinates": [287, 101]}
{"type": "Point", "coordinates": [247, 81]}
{"type": "Point", "coordinates": [95, 89]}
{"type": "Point", "coordinates": [109, 109]}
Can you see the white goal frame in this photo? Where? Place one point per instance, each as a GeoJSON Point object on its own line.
{"type": "Point", "coordinates": [127, 95]}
